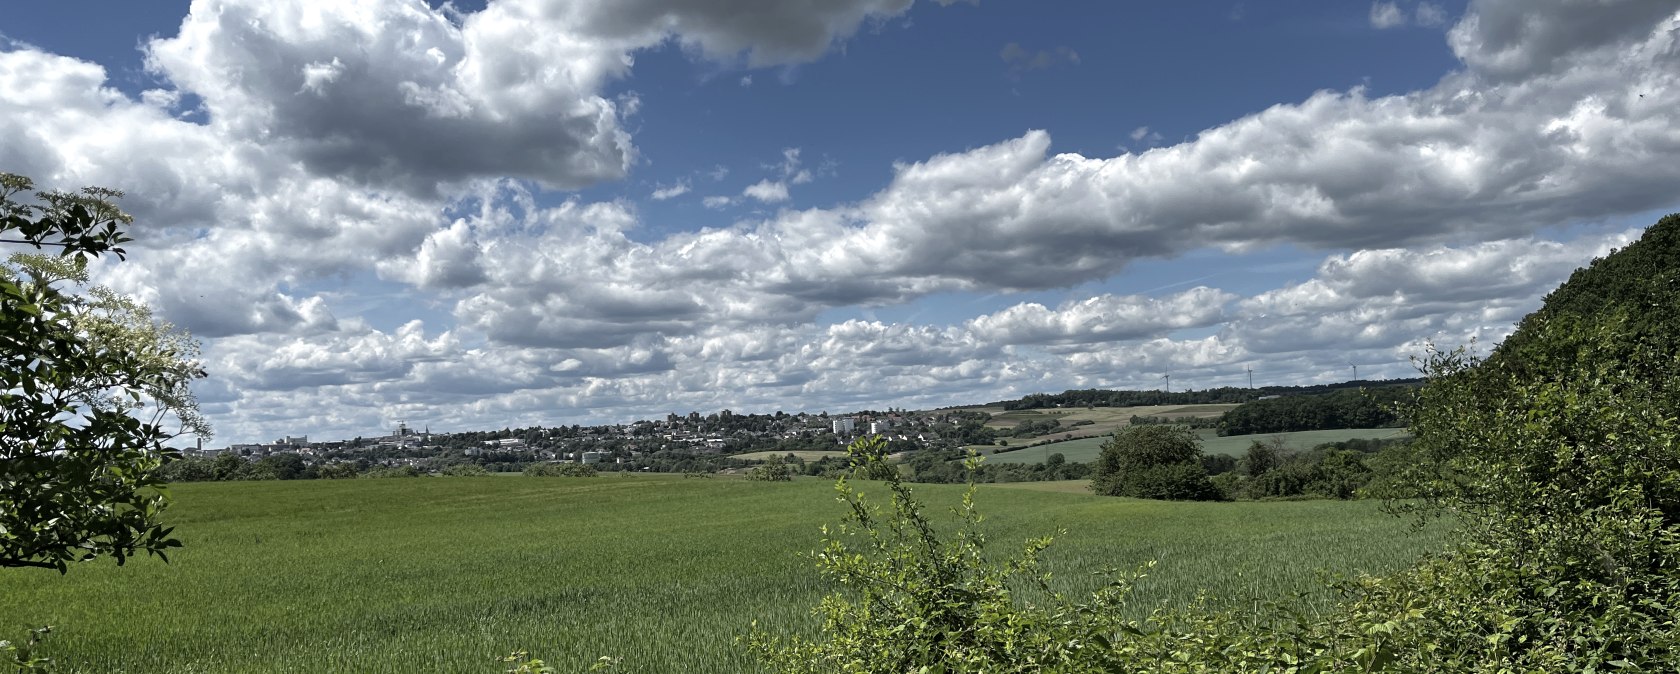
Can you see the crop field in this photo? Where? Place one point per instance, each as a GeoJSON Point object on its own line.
{"type": "Point", "coordinates": [1235, 445]}
{"type": "Point", "coordinates": [1085, 450]}
{"type": "Point", "coordinates": [1104, 421]}
{"type": "Point", "coordinates": [446, 574]}
{"type": "Point", "coordinates": [806, 454]}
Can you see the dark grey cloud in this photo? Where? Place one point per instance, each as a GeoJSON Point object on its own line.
{"type": "Point", "coordinates": [769, 32]}
{"type": "Point", "coordinates": [1520, 39]}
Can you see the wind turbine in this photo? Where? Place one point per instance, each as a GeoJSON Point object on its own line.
{"type": "Point", "coordinates": [1168, 377]}
{"type": "Point", "coordinates": [1355, 371]}
{"type": "Point", "coordinates": [1251, 378]}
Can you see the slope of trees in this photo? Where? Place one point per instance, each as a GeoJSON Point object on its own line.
{"type": "Point", "coordinates": [1378, 407]}
{"type": "Point", "coordinates": [1223, 395]}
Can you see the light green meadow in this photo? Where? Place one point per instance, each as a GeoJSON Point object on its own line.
{"type": "Point", "coordinates": [446, 574]}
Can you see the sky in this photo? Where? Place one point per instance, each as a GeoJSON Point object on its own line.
{"type": "Point", "coordinates": [479, 215]}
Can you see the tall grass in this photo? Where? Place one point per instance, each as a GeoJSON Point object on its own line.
{"type": "Point", "coordinates": [443, 575]}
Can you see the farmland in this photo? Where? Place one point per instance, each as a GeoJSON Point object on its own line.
{"type": "Point", "coordinates": [1085, 450]}
{"type": "Point", "coordinates": [804, 454]}
{"type": "Point", "coordinates": [443, 575]}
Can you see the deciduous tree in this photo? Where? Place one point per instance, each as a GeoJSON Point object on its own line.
{"type": "Point", "coordinates": [91, 387]}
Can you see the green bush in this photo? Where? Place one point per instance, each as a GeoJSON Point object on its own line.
{"type": "Point", "coordinates": [916, 601]}
{"type": "Point", "coordinates": [392, 471]}
{"type": "Point", "coordinates": [773, 470]}
{"type": "Point", "coordinates": [1153, 461]}
{"type": "Point", "coordinates": [560, 470]}
{"type": "Point", "coordinates": [465, 470]}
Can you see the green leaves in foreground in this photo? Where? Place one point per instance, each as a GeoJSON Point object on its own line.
{"type": "Point", "coordinates": [21, 659]}
{"type": "Point", "coordinates": [88, 381]}
{"type": "Point", "coordinates": [912, 600]}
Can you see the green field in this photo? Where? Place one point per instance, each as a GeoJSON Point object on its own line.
{"type": "Point", "coordinates": [806, 454]}
{"type": "Point", "coordinates": [445, 574]}
{"type": "Point", "coordinates": [1085, 450]}
{"type": "Point", "coordinates": [1235, 445]}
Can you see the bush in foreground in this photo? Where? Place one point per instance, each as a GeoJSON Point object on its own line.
{"type": "Point", "coordinates": [916, 601]}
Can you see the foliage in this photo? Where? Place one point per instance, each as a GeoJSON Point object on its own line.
{"type": "Point", "coordinates": [1272, 469]}
{"type": "Point", "coordinates": [918, 602]}
{"type": "Point", "coordinates": [772, 470]}
{"type": "Point", "coordinates": [377, 472]}
{"type": "Point", "coordinates": [948, 467]}
{"type": "Point", "coordinates": [1153, 461]}
{"type": "Point", "coordinates": [1104, 398]}
{"type": "Point", "coordinates": [560, 470]}
{"type": "Point", "coordinates": [868, 459]}
{"type": "Point", "coordinates": [1374, 407]}
{"type": "Point", "coordinates": [89, 384]}
{"type": "Point", "coordinates": [465, 470]}
{"type": "Point", "coordinates": [21, 658]}
{"type": "Point", "coordinates": [1568, 486]}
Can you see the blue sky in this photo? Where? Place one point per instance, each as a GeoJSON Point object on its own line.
{"type": "Point", "coordinates": [539, 212]}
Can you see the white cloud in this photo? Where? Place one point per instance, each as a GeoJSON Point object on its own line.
{"type": "Point", "coordinates": [303, 174]}
{"type": "Point", "coordinates": [767, 191]}
{"type": "Point", "coordinates": [678, 189]}
{"type": "Point", "coordinates": [1104, 318]}
{"type": "Point", "coordinates": [484, 93]}
{"type": "Point", "coordinates": [1387, 15]}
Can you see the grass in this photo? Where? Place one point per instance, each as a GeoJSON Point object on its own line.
{"type": "Point", "coordinates": [1085, 450]}
{"type": "Point", "coordinates": [806, 454]}
{"type": "Point", "coordinates": [1235, 445]}
{"type": "Point", "coordinates": [445, 574]}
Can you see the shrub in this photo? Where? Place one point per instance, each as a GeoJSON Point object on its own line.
{"type": "Point", "coordinates": [560, 470]}
{"type": "Point", "coordinates": [1153, 461]}
{"type": "Point", "coordinates": [915, 601]}
{"type": "Point", "coordinates": [392, 471]}
{"type": "Point", "coordinates": [773, 470]}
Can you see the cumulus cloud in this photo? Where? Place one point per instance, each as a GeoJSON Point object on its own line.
{"type": "Point", "coordinates": [1506, 40]}
{"type": "Point", "coordinates": [398, 95]}
{"type": "Point", "coordinates": [304, 171]}
{"type": "Point", "coordinates": [1105, 318]}
{"type": "Point", "coordinates": [767, 191]}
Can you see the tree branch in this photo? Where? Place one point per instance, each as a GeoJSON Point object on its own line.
{"type": "Point", "coordinates": [21, 563]}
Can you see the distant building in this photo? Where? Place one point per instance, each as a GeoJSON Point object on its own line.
{"type": "Point", "coordinates": [844, 425]}
{"type": "Point", "coordinates": [594, 457]}
{"type": "Point", "coordinates": [879, 427]}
